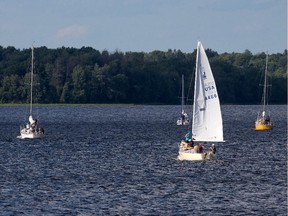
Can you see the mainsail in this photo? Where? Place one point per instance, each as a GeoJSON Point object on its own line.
{"type": "Point", "coordinates": [207, 119]}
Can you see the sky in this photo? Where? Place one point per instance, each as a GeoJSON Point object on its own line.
{"type": "Point", "coordinates": [146, 25]}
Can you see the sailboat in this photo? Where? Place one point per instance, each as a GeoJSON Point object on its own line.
{"type": "Point", "coordinates": [184, 119]}
{"type": "Point", "coordinates": [263, 121]}
{"type": "Point", "coordinates": [31, 130]}
{"type": "Point", "coordinates": [207, 118]}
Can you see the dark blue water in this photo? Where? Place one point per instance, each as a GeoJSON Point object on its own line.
{"type": "Point", "coordinates": [121, 160]}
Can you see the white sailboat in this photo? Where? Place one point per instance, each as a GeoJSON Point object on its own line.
{"type": "Point", "coordinates": [31, 130]}
{"type": "Point", "coordinates": [263, 121]}
{"type": "Point", "coordinates": [207, 118]}
{"type": "Point", "coordinates": [184, 119]}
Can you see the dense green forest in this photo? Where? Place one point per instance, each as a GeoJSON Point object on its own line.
{"type": "Point", "coordinates": [86, 75]}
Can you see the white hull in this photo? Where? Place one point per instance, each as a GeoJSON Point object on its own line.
{"type": "Point", "coordinates": [192, 156]}
{"type": "Point", "coordinates": [190, 153]}
{"type": "Point", "coordinates": [186, 155]}
{"type": "Point", "coordinates": [28, 134]}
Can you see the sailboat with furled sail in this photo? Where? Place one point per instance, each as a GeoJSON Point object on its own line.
{"type": "Point", "coordinates": [184, 118]}
{"type": "Point", "coordinates": [31, 130]}
{"type": "Point", "coordinates": [207, 123]}
{"type": "Point", "coordinates": [263, 121]}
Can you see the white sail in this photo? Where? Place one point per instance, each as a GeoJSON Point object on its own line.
{"type": "Point", "coordinates": [207, 119]}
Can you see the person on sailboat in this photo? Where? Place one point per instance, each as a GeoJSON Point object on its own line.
{"type": "Point", "coordinates": [182, 117]}
{"type": "Point", "coordinates": [200, 148]}
{"type": "Point", "coordinates": [190, 143]}
{"type": "Point", "coordinates": [187, 136]}
{"type": "Point", "coordinates": [213, 148]}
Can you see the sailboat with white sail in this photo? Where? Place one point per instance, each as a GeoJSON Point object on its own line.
{"type": "Point", "coordinates": [31, 130]}
{"type": "Point", "coordinates": [207, 123]}
{"type": "Point", "coordinates": [184, 118]}
{"type": "Point", "coordinates": [263, 121]}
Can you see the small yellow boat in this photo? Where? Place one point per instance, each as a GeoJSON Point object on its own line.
{"type": "Point", "coordinates": [263, 121]}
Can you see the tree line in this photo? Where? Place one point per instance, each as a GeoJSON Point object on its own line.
{"type": "Point", "coordinates": [87, 75]}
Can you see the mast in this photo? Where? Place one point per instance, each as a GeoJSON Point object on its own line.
{"type": "Point", "coordinates": [31, 81]}
{"type": "Point", "coordinates": [182, 98]}
{"type": "Point", "coordinates": [265, 84]}
{"type": "Point", "coordinates": [195, 87]}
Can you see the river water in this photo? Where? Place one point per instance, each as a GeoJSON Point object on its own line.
{"type": "Point", "coordinates": [122, 160]}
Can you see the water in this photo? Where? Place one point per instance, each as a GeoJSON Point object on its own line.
{"type": "Point", "coordinates": [122, 160]}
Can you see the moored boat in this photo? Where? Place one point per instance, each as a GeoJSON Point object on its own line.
{"type": "Point", "coordinates": [263, 121]}
{"type": "Point", "coordinates": [32, 129]}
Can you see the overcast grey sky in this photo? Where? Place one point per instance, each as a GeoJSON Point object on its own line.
{"type": "Point", "coordinates": [146, 25]}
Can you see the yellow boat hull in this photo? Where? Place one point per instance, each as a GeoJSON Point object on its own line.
{"type": "Point", "coordinates": [263, 127]}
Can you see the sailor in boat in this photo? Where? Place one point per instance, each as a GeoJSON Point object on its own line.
{"type": "Point", "coordinates": [212, 149]}
{"type": "Point", "coordinates": [183, 117]}
{"type": "Point", "coordinates": [187, 136]}
{"type": "Point", "coordinates": [187, 143]}
{"type": "Point", "coordinates": [190, 145]}
{"type": "Point", "coordinates": [200, 148]}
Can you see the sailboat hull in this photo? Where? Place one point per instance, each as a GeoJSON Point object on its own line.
{"type": "Point", "coordinates": [28, 133]}
{"type": "Point", "coordinates": [190, 156]}
{"type": "Point", "coordinates": [190, 153]}
{"type": "Point", "coordinates": [195, 156]}
{"type": "Point", "coordinates": [262, 127]}
{"type": "Point", "coordinates": [31, 135]}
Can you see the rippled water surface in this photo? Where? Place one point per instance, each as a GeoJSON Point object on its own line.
{"type": "Point", "coordinates": [122, 160]}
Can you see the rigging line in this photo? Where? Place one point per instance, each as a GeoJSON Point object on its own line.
{"type": "Point", "coordinates": [190, 85]}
